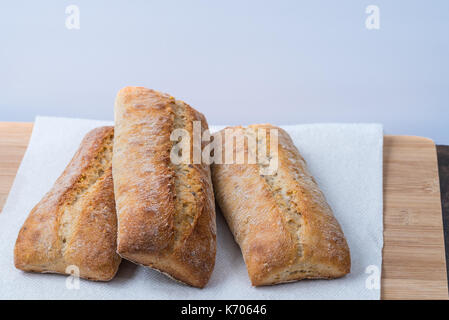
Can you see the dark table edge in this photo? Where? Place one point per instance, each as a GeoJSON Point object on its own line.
{"type": "Point", "coordinates": [443, 172]}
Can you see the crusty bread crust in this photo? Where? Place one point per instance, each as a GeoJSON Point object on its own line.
{"type": "Point", "coordinates": [282, 222]}
{"type": "Point", "coordinates": [166, 212]}
{"type": "Point", "coordinates": [75, 223]}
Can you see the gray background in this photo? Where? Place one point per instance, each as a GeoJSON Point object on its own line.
{"type": "Point", "coordinates": [282, 62]}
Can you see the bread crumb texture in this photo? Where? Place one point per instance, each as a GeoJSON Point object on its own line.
{"type": "Point", "coordinates": [282, 222]}
{"type": "Point", "coordinates": [166, 211]}
{"type": "Point", "coordinates": [75, 224]}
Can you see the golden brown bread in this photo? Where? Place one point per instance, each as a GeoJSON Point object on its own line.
{"type": "Point", "coordinates": [75, 223]}
{"type": "Point", "coordinates": [282, 222]}
{"type": "Point", "coordinates": [166, 212]}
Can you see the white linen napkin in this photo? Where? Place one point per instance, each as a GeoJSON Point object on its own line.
{"type": "Point", "coordinates": [345, 159]}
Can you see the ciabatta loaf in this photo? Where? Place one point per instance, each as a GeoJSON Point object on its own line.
{"type": "Point", "coordinates": [75, 224]}
{"type": "Point", "coordinates": [166, 211]}
{"type": "Point", "coordinates": [281, 220]}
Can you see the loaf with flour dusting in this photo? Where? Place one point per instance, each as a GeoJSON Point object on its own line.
{"type": "Point", "coordinates": [75, 224]}
{"type": "Point", "coordinates": [166, 211]}
{"type": "Point", "coordinates": [282, 222]}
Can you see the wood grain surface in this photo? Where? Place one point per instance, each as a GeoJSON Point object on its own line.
{"type": "Point", "coordinates": [414, 264]}
{"type": "Point", "coordinates": [14, 137]}
{"type": "Point", "coordinates": [413, 256]}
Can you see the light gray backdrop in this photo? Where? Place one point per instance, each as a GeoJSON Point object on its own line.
{"type": "Point", "coordinates": [282, 62]}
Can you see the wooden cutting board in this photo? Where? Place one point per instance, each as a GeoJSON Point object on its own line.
{"type": "Point", "coordinates": [414, 264]}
